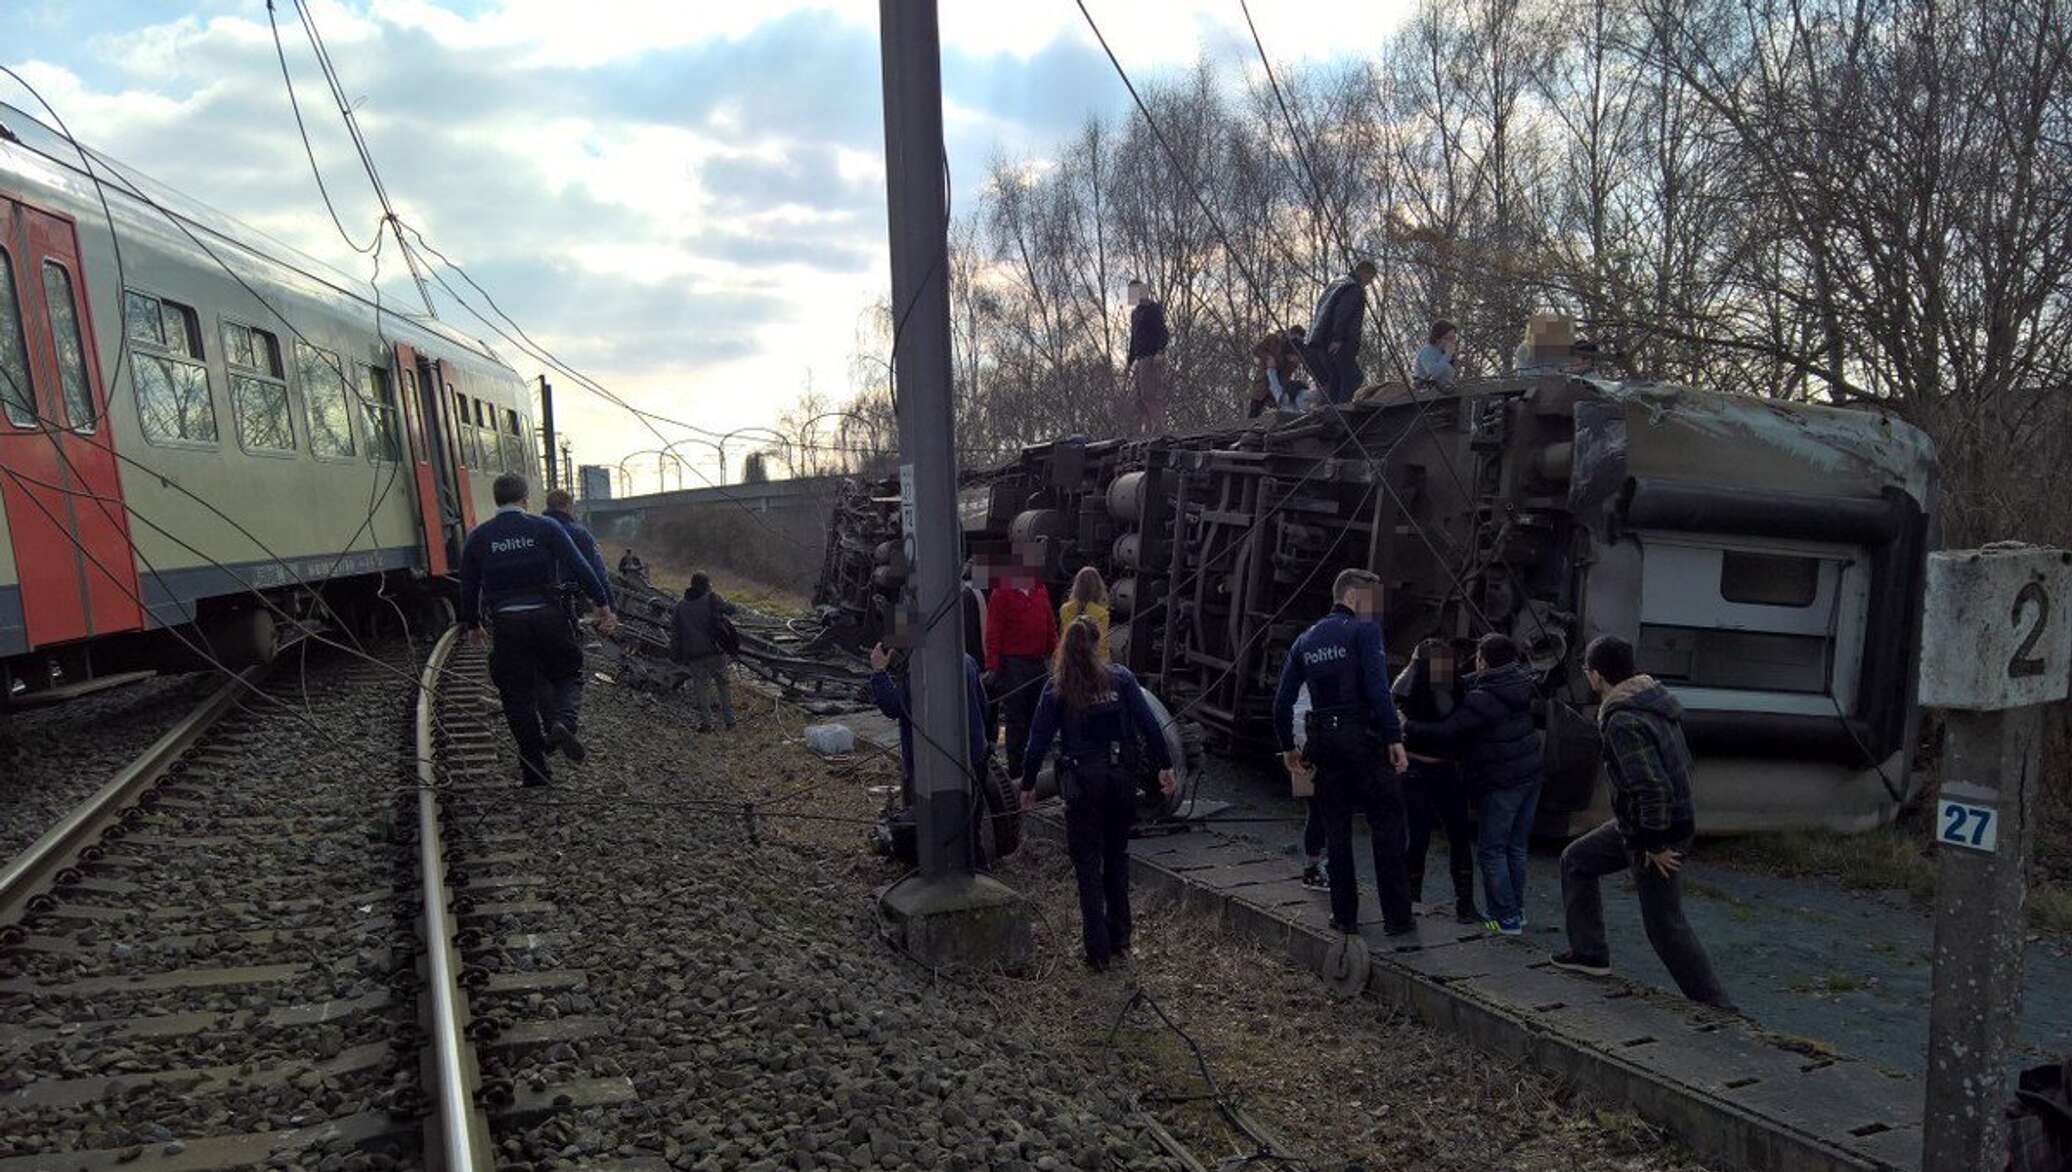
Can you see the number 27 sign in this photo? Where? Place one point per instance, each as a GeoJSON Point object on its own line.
{"type": "Point", "coordinates": [1972, 827]}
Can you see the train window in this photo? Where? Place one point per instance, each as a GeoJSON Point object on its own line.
{"type": "Point", "coordinates": [80, 414]}
{"type": "Point", "coordinates": [510, 422]}
{"type": "Point", "coordinates": [14, 353]}
{"type": "Point", "coordinates": [140, 316]}
{"type": "Point", "coordinates": [1767, 579]}
{"type": "Point", "coordinates": [173, 398]}
{"type": "Point", "coordinates": [252, 349]}
{"type": "Point", "coordinates": [328, 400]}
{"type": "Point", "coordinates": [378, 401]}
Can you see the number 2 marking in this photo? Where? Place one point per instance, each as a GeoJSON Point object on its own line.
{"type": "Point", "coordinates": [2022, 663]}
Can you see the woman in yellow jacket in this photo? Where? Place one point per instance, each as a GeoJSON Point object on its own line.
{"type": "Point", "coordinates": [1090, 598]}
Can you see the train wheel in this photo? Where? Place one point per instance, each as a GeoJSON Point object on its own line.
{"type": "Point", "coordinates": [1003, 809]}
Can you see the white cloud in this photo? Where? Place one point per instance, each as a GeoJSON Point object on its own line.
{"type": "Point", "coordinates": [686, 198]}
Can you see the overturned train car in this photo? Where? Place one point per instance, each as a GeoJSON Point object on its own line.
{"type": "Point", "coordinates": [1764, 557]}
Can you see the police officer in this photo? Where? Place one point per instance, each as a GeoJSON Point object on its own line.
{"type": "Point", "coordinates": [1355, 743]}
{"type": "Point", "coordinates": [561, 508]}
{"type": "Point", "coordinates": [511, 569]}
{"type": "Point", "coordinates": [1100, 713]}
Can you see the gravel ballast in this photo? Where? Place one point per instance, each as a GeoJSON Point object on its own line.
{"type": "Point", "coordinates": [765, 1025]}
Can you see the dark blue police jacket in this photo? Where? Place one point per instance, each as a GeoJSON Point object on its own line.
{"type": "Point", "coordinates": [892, 697]}
{"type": "Point", "coordinates": [1092, 733]}
{"type": "Point", "coordinates": [585, 544]}
{"type": "Point", "coordinates": [516, 560]}
{"type": "Point", "coordinates": [1341, 660]}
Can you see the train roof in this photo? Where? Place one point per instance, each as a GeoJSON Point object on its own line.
{"type": "Point", "coordinates": [41, 155]}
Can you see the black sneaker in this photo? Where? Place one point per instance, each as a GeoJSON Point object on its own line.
{"type": "Point", "coordinates": [1403, 929]}
{"type": "Point", "coordinates": [534, 777]}
{"type": "Point", "coordinates": [1313, 877]}
{"type": "Point", "coordinates": [564, 738]}
{"type": "Point", "coordinates": [1570, 961]}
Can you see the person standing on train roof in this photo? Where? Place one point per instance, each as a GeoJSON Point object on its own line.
{"type": "Point", "coordinates": [1334, 333]}
{"type": "Point", "coordinates": [1021, 630]}
{"type": "Point", "coordinates": [1089, 598]}
{"type": "Point", "coordinates": [1354, 741]}
{"type": "Point", "coordinates": [511, 569]}
{"type": "Point", "coordinates": [1146, 365]}
{"type": "Point", "coordinates": [1653, 821]}
{"type": "Point", "coordinates": [1099, 714]}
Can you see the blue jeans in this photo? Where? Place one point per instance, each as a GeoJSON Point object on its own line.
{"type": "Point", "coordinates": [1500, 841]}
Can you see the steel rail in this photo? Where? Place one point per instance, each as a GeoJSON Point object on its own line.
{"type": "Point", "coordinates": [457, 1130]}
{"type": "Point", "coordinates": [30, 872]}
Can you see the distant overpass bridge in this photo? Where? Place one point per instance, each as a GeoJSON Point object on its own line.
{"type": "Point", "coordinates": [775, 531]}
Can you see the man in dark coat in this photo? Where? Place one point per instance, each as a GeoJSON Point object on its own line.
{"type": "Point", "coordinates": [1146, 363]}
{"type": "Point", "coordinates": [1493, 737]}
{"type": "Point", "coordinates": [691, 644]}
{"type": "Point", "coordinates": [1648, 766]}
{"type": "Point", "coordinates": [1334, 334]}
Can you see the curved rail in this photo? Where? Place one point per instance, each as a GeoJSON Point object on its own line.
{"type": "Point", "coordinates": [31, 871]}
{"type": "Point", "coordinates": [457, 1128]}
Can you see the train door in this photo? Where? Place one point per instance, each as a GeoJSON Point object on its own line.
{"type": "Point", "coordinates": [58, 475]}
{"type": "Point", "coordinates": [438, 504]}
{"type": "Point", "coordinates": [462, 427]}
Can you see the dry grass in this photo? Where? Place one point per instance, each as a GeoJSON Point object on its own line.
{"type": "Point", "coordinates": [1901, 857]}
{"type": "Point", "coordinates": [1336, 1083]}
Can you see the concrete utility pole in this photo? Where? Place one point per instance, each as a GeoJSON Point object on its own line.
{"type": "Point", "coordinates": [1993, 652]}
{"type": "Point", "coordinates": [949, 916]}
{"type": "Point", "coordinates": [547, 425]}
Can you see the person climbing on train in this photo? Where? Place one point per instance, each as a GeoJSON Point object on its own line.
{"type": "Point", "coordinates": [511, 569]}
{"type": "Point", "coordinates": [1021, 631]}
{"type": "Point", "coordinates": [1428, 690]}
{"type": "Point", "coordinates": [1648, 766]}
{"type": "Point", "coordinates": [1089, 598]}
{"type": "Point", "coordinates": [1145, 364]}
{"type": "Point", "coordinates": [1099, 715]}
{"type": "Point", "coordinates": [1434, 365]}
{"type": "Point", "coordinates": [1354, 740]}
{"type": "Point", "coordinates": [1333, 349]}
{"type": "Point", "coordinates": [892, 693]}
{"type": "Point", "coordinates": [1491, 734]}
{"type": "Point", "coordinates": [695, 643]}
{"type": "Point", "coordinates": [1279, 385]}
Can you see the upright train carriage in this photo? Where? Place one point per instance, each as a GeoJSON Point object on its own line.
{"type": "Point", "coordinates": [197, 417]}
{"type": "Point", "coordinates": [1764, 557]}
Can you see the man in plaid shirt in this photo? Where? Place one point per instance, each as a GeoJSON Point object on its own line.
{"type": "Point", "coordinates": [1648, 766]}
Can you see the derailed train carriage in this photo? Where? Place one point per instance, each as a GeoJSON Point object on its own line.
{"type": "Point", "coordinates": [1765, 558]}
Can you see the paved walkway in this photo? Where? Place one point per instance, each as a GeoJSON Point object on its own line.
{"type": "Point", "coordinates": [1804, 957]}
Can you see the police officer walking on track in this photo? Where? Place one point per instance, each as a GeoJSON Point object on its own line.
{"type": "Point", "coordinates": [511, 568]}
{"type": "Point", "coordinates": [1355, 742]}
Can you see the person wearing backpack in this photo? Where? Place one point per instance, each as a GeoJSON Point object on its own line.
{"type": "Point", "coordinates": [698, 634]}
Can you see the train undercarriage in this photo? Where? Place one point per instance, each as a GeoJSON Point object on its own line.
{"type": "Point", "coordinates": [1765, 558]}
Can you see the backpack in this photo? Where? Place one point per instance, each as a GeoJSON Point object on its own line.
{"type": "Point", "coordinates": [2039, 1120]}
{"type": "Point", "coordinates": [724, 636]}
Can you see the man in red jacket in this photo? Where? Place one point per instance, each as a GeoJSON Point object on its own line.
{"type": "Point", "coordinates": [1021, 630]}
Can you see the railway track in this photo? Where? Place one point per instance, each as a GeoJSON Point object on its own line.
{"type": "Point", "coordinates": [222, 959]}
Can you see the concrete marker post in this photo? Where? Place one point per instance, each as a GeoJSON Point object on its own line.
{"type": "Point", "coordinates": [1994, 651]}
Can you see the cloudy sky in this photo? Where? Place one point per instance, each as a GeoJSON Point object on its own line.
{"type": "Point", "coordinates": [683, 198]}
